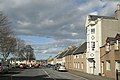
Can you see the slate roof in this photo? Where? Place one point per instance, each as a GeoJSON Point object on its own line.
{"type": "Point", "coordinates": [111, 40]}
{"type": "Point", "coordinates": [69, 52]}
{"type": "Point", "coordinates": [118, 34]}
{"type": "Point", "coordinates": [94, 17]}
{"type": "Point", "coordinates": [81, 49]}
{"type": "Point", "coordinates": [61, 55]}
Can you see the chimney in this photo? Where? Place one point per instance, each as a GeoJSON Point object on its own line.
{"type": "Point", "coordinates": [117, 12]}
{"type": "Point", "coordinates": [118, 7]}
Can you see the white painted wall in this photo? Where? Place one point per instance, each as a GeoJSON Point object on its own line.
{"type": "Point", "coordinates": [95, 54]}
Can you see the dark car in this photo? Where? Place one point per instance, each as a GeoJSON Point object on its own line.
{"type": "Point", "coordinates": [4, 67]}
{"type": "Point", "coordinates": [56, 67]}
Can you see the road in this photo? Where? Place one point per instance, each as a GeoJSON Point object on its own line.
{"type": "Point", "coordinates": [39, 74]}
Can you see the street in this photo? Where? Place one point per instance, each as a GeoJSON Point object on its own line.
{"type": "Point", "coordinates": [39, 74]}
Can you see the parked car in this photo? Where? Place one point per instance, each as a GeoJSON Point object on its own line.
{"type": "Point", "coordinates": [48, 65]}
{"type": "Point", "coordinates": [23, 66]}
{"type": "Point", "coordinates": [36, 65]}
{"type": "Point", "coordinates": [56, 67]}
{"type": "Point", "coordinates": [62, 68]}
{"type": "Point", "coordinates": [4, 67]}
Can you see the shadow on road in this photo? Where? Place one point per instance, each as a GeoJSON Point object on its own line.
{"type": "Point", "coordinates": [13, 71]}
{"type": "Point", "coordinates": [41, 77]}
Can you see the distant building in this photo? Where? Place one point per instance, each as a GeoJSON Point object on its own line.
{"type": "Point", "coordinates": [60, 57]}
{"type": "Point", "coordinates": [50, 60]}
{"type": "Point", "coordinates": [98, 28]}
{"type": "Point", "coordinates": [69, 58]}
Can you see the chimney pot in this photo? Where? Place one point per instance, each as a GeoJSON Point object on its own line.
{"type": "Point", "coordinates": [118, 7]}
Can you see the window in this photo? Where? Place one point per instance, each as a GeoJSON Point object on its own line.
{"type": "Point", "coordinates": [102, 66]}
{"type": "Point", "coordinates": [93, 31]}
{"type": "Point", "coordinates": [82, 65]}
{"type": "Point", "coordinates": [93, 45]}
{"type": "Point", "coordinates": [108, 47]}
{"type": "Point", "coordinates": [118, 65]}
{"type": "Point", "coordinates": [117, 45]}
{"type": "Point", "coordinates": [107, 65]}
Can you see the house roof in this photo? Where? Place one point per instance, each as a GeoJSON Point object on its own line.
{"type": "Point", "coordinates": [62, 54]}
{"type": "Point", "coordinates": [69, 52]}
{"type": "Point", "coordinates": [94, 17]}
{"type": "Point", "coordinates": [111, 40]}
{"type": "Point", "coordinates": [81, 49]}
{"type": "Point", "coordinates": [117, 37]}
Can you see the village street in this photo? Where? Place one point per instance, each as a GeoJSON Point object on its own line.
{"type": "Point", "coordinates": [39, 74]}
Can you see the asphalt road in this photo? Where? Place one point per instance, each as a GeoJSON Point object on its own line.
{"type": "Point", "coordinates": [39, 74]}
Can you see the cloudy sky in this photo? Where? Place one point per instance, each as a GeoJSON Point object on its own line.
{"type": "Point", "coordinates": [52, 25]}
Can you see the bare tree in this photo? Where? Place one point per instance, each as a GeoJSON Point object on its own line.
{"type": "Point", "coordinates": [8, 46]}
{"type": "Point", "coordinates": [7, 38]}
{"type": "Point", "coordinates": [29, 53]}
{"type": "Point", "coordinates": [20, 46]}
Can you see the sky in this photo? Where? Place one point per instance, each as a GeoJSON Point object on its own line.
{"type": "Point", "coordinates": [52, 25]}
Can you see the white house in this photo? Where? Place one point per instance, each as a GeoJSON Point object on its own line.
{"type": "Point", "coordinates": [98, 28]}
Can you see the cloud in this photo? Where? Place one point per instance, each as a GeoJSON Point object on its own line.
{"type": "Point", "coordinates": [62, 21]}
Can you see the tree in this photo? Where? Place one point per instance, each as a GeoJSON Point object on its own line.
{"type": "Point", "coordinates": [7, 37]}
{"type": "Point", "coordinates": [29, 53]}
{"type": "Point", "coordinates": [20, 51]}
{"type": "Point", "coordinates": [8, 46]}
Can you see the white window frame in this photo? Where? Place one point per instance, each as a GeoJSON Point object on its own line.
{"type": "Point", "coordinates": [117, 45]}
{"type": "Point", "coordinates": [118, 65]}
{"type": "Point", "coordinates": [108, 65]}
{"type": "Point", "coordinates": [82, 65]}
{"type": "Point", "coordinates": [107, 47]}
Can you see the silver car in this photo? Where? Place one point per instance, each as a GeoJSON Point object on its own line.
{"type": "Point", "coordinates": [62, 68]}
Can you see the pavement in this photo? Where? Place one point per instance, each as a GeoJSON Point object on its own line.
{"type": "Point", "coordinates": [89, 76]}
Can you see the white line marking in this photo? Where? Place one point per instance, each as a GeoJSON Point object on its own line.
{"type": "Point", "coordinates": [47, 74]}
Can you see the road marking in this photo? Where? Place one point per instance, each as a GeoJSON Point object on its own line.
{"type": "Point", "coordinates": [48, 74]}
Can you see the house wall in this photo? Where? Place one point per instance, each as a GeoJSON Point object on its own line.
{"type": "Point", "coordinates": [79, 62]}
{"type": "Point", "coordinates": [55, 60]}
{"type": "Point", "coordinates": [108, 28]}
{"type": "Point", "coordinates": [63, 61]}
{"type": "Point", "coordinates": [103, 28]}
{"type": "Point", "coordinates": [111, 56]}
{"type": "Point", "coordinates": [69, 61]}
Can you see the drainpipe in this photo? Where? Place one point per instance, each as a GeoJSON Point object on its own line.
{"type": "Point", "coordinates": [93, 66]}
{"type": "Point", "coordinates": [117, 74]}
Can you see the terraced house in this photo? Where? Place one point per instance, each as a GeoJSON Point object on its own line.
{"type": "Point", "coordinates": [110, 57]}
{"type": "Point", "coordinates": [79, 58]}
{"type": "Point", "coordinates": [69, 58]}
